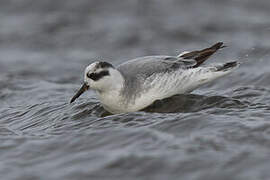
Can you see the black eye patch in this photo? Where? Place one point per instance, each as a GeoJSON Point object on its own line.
{"type": "Point", "coordinates": [98, 76]}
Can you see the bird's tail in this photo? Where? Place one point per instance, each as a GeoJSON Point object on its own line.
{"type": "Point", "coordinates": [203, 75]}
{"type": "Point", "coordinates": [216, 71]}
{"type": "Point", "coordinates": [227, 66]}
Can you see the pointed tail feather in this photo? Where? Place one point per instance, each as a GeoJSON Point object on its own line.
{"type": "Point", "coordinates": [227, 66]}
{"type": "Point", "coordinates": [202, 55]}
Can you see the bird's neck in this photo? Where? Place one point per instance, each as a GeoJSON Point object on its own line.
{"type": "Point", "coordinates": [113, 84]}
{"type": "Point", "coordinates": [111, 97]}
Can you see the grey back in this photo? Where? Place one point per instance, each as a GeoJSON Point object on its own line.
{"type": "Point", "coordinates": [138, 70]}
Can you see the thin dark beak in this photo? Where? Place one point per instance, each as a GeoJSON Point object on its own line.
{"type": "Point", "coordinates": [82, 90]}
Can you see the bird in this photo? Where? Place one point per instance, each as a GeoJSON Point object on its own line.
{"type": "Point", "coordinates": [138, 83]}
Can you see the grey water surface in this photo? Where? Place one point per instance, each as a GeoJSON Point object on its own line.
{"type": "Point", "coordinates": [220, 131]}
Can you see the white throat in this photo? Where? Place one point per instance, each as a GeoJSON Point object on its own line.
{"type": "Point", "coordinates": [110, 96]}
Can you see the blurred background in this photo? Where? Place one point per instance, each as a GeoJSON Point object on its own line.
{"type": "Point", "coordinates": [222, 132]}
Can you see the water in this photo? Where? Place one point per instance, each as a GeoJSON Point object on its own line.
{"type": "Point", "coordinates": [221, 131]}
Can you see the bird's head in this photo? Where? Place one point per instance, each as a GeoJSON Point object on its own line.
{"type": "Point", "coordinates": [99, 76]}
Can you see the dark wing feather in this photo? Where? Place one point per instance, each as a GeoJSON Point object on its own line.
{"type": "Point", "coordinates": [202, 55]}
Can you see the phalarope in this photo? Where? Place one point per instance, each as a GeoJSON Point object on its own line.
{"type": "Point", "coordinates": [139, 82]}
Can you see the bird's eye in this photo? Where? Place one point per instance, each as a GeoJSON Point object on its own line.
{"type": "Point", "coordinates": [89, 75]}
{"type": "Point", "coordinates": [97, 76]}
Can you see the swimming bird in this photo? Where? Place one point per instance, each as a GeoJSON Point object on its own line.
{"type": "Point", "coordinates": [137, 83]}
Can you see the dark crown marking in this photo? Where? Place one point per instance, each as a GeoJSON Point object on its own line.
{"type": "Point", "coordinates": [98, 76]}
{"type": "Point", "coordinates": [104, 65]}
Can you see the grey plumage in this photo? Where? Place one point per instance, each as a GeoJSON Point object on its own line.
{"type": "Point", "coordinates": [144, 68]}
{"type": "Point", "coordinates": [137, 83]}
{"type": "Point", "coordinates": [140, 69]}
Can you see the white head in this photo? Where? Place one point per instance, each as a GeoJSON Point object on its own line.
{"type": "Point", "coordinates": [100, 76]}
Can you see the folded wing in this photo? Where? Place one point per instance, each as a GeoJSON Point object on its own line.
{"type": "Point", "coordinates": [201, 55]}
